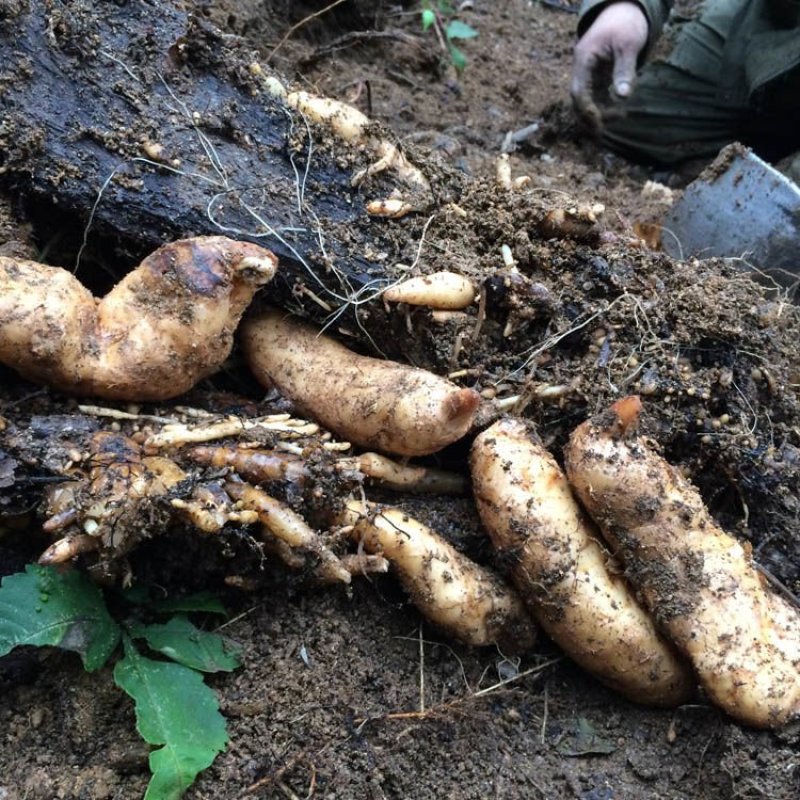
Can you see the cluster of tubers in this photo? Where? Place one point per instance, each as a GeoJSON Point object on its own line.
{"type": "Point", "coordinates": [633, 579]}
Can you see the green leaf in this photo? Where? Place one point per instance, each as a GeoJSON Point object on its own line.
{"type": "Point", "coordinates": [175, 709]}
{"type": "Point", "coordinates": [206, 602]}
{"type": "Point", "coordinates": [183, 642]}
{"type": "Point", "coordinates": [43, 606]}
{"type": "Point", "coordinates": [458, 59]}
{"type": "Point", "coordinates": [428, 18]}
{"type": "Point", "coordinates": [456, 29]}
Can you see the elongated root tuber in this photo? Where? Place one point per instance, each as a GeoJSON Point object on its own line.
{"type": "Point", "coordinates": [406, 477]}
{"type": "Point", "coordinates": [465, 600]}
{"type": "Point", "coordinates": [279, 521]}
{"type": "Point", "coordinates": [698, 582]}
{"type": "Point", "coordinates": [444, 290]}
{"type": "Point", "coordinates": [374, 403]}
{"type": "Point", "coordinates": [165, 326]}
{"type": "Point", "coordinates": [256, 466]}
{"type": "Point", "coordinates": [562, 571]}
{"type": "Point", "coordinates": [350, 125]}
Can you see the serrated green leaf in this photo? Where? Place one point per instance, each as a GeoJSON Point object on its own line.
{"type": "Point", "coordinates": [456, 29]}
{"type": "Point", "coordinates": [458, 59]}
{"type": "Point", "coordinates": [176, 710]}
{"type": "Point", "coordinates": [206, 602]}
{"type": "Point", "coordinates": [428, 18]}
{"type": "Point", "coordinates": [43, 606]}
{"type": "Point", "coordinates": [188, 645]}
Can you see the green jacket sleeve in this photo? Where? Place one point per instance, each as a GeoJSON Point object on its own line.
{"type": "Point", "coordinates": [656, 12]}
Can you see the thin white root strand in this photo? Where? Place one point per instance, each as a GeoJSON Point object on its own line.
{"type": "Point", "coordinates": [179, 434]}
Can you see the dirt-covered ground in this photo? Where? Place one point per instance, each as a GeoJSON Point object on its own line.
{"type": "Point", "coordinates": [348, 694]}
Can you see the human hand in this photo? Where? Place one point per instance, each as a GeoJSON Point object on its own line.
{"type": "Point", "coordinates": [615, 39]}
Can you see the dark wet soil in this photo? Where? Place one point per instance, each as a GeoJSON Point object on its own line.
{"type": "Point", "coordinates": [348, 694]}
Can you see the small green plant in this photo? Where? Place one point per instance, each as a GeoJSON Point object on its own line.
{"type": "Point", "coordinates": [175, 710]}
{"type": "Point", "coordinates": [441, 16]}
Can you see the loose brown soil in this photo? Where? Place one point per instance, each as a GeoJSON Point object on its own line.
{"type": "Point", "coordinates": [348, 694]}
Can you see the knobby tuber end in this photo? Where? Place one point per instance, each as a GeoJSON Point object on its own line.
{"type": "Point", "coordinates": [160, 330]}
{"type": "Point", "coordinates": [627, 412]}
{"type": "Point", "coordinates": [107, 501]}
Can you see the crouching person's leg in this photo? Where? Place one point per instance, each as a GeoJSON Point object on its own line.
{"type": "Point", "coordinates": [693, 102]}
{"type": "Point", "coordinates": [672, 117]}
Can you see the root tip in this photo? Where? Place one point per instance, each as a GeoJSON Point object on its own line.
{"type": "Point", "coordinates": [462, 404]}
{"type": "Point", "coordinates": [627, 411]}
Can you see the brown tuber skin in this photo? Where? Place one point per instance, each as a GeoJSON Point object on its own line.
{"type": "Point", "coordinates": [568, 579]}
{"type": "Point", "coordinates": [165, 326]}
{"type": "Point", "coordinates": [256, 466]}
{"type": "Point", "coordinates": [698, 582]}
{"type": "Point", "coordinates": [376, 404]}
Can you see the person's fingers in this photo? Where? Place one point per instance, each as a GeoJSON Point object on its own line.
{"type": "Point", "coordinates": [581, 88]}
{"type": "Point", "coordinates": [624, 71]}
{"type": "Point", "coordinates": [607, 52]}
{"type": "Point", "coordinates": [588, 111]}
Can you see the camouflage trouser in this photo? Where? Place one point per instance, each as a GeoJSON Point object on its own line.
{"type": "Point", "coordinates": [687, 105]}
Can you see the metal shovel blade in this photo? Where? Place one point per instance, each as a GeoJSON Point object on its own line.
{"type": "Point", "coordinates": [742, 208]}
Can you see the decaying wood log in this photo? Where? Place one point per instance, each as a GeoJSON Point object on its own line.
{"type": "Point", "coordinates": [142, 123]}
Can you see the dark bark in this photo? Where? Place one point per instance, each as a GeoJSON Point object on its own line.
{"type": "Point", "coordinates": [85, 85]}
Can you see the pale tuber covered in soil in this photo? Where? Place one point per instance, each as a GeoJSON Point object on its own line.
{"type": "Point", "coordinates": [287, 526]}
{"type": "Point", "coordinates": [349, 124]}
{"type": "Point", "coordinates": [370, 402]}
{"type": "Point", "coordinates": [445, 290]}
{"type": "Point", "coordinates": [570, 582]}
{"type": "Point", "coordinates": [165, 326]}
{"type": "Point", "coordinates": [698, 582]}
{"type": "Point", "coordinates": [460, 597]}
